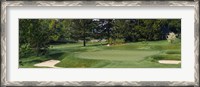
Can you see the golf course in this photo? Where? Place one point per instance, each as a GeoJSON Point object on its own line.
{"type": "Point", "coordinates": [99, 43]}
{"type": "Point", "coordinates": [129, 55]}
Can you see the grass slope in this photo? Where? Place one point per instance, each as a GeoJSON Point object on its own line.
{"type": "Point", "coordinates": [129, 55]}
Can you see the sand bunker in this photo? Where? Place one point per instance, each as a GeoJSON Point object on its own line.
{"type": "Point", "coordinates": [169, 61]}
{"type": "Point", "coordinates": [49, 63]}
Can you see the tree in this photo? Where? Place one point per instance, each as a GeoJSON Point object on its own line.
{"type": "Point", "coordinates": [119, 27]}
{"type": "Point", "coordinates": [121, 30]}
{"type": "Point", "coordinates": [171, 37]}
{"type": "Point", "coordinates": [60, 30]}
{"type": "Point", "coordinates": [35, 35]}
{"type": "Point", "coordinates": [24, 46]}
{"type": "Point", "coordinates": [104, 27]}
{"type": "Point", "coordinates": [39, 36]}
{"type": "Point", "coordinates": [81, 28]}
{"type": "Point", "coordinates": [66, 28]}
{"type": "Point", "coordinates": [170, 25]}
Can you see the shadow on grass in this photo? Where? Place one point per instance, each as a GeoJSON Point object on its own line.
{"type": "Point", "coordinates": [36, 61]}
{"type": "Point", "coordinates": [90, 45]}
{"type": "Point", "coordinates": [72, 49]}
{"type": "Point", "coordinates": [56, 56]}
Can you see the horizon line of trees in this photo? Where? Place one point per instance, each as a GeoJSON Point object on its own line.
{"type": "Point", "coordinates": [36, 35]}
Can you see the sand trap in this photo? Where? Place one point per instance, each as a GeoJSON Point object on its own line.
{"type": "Point", "coordinates": [49, 63]}
{"type": "Point", "coordinates": [169, 61]}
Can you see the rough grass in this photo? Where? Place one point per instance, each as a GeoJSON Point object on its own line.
{"type": "Point", "coordinates": [167, 57]}
{"type": "Point", "coordinates": [95, 55]}
{"type": "Point", "coordinates": [72, 61]}
{"type": "Point", "coordinates": [173, 52]}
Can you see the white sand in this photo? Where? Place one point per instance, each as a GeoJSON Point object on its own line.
{"type": "Point", "coordinates": [169, 61]}
{"type": "Point", "coordinates": [49, 63]}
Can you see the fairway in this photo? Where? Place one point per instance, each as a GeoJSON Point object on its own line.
{"type": "Point", "coordinates": [130, 55]}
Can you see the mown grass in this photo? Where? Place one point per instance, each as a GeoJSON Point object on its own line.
{"type": "Point", "coordinates": [96, 55]}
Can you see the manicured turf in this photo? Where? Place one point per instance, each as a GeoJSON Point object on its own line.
{"type": "Point", "coordinates": [94, 55]}
{"type": "Point", "coordinates": [117, 55]}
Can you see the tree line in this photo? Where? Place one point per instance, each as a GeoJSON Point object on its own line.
{"type": "Point", "coordinates": [36, 35]}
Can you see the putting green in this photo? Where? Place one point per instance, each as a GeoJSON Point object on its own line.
{"type": "Point", "coordinates": [117, 55]}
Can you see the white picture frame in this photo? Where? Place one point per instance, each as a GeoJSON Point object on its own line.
{"type": "Point", "coordinates": [5, 53]}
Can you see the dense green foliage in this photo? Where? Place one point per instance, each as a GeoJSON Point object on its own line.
{"type": "Point", "coordinates": [34, 36]}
